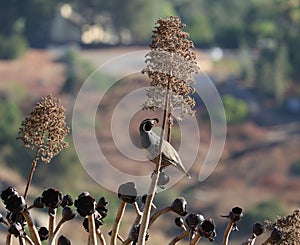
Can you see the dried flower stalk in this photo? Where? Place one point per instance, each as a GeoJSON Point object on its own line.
{"type": "Point", "coordinates": [170, 65]}
{"type": "Point", "coordinates": [116, 226]}
{"type": "Point", "coordinates": [44, 131]}
{"type": "Point", "coordinates": [171, 59]}
{"type": "Point", "coordinates": [289, 227]}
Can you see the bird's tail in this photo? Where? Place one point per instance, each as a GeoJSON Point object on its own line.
{"type": "Point", "coordinates": [183, 170]}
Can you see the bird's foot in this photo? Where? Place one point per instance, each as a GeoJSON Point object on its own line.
{"type": "Point", "coordinates": [154, 173]}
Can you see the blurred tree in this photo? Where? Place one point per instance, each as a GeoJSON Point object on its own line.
{"type": "Point", "coordinates": [136, 17]}
{"type": "Point", "coordinates": [264, 210]}
{"type": "Point", "coordinates": [31, 18]}
{"type": "Point", "coordinates": [10, 115]}
{"type": "Point", "coordinates": [295, 168]}
{"type": "Point", "coordinates": [236, 110]}
{"type": "Point", "coordinates": [281, 74]}
{"type": "Point", "coordinates": [12, 47]}
{"type": "Point", "coordinates": [227, 19]}
{"type": "Point", "coordinates": [247, 64]}
{"type": "Point", "coordinates": [130, 21]}
{"type": "Point", "coordinates": [197, 22]}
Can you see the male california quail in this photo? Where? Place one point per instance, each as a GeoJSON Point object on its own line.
{"type": "Point", "coordinates": [150, 141]}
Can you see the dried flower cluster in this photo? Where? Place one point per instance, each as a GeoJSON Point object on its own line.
{"type": "Point", "coordinates": [171, 61]}
{"type": "Point", "coordinates": [45, 128]}
{"type": "Point", "coordinates": [289, 227]}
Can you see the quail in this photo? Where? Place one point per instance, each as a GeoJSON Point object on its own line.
{"type": "Point", "coordinates": [150, 142]}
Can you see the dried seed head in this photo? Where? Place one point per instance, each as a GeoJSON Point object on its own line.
{"type": "Point", "coordinates": [288, 227]}
{"type": "Point", "coordinates": [45, 128]}
{"type": "Point", "coordinates": [171, 61]}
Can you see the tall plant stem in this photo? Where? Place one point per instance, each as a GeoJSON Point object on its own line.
{"type": "Point", "coordinates": [28, 240]}
{"type": "Point", "coordinates": [170, 124]}
{"type": "Point", "coordinates": [153, 185]}
{"type": "Point", "coordinates": [157, 214]}
{"type": "Point", "coordinates": [21, 241]}
{"type": "Point", "coordinates": [101, 237]}
{"type": "Point", "coordinates": [179, 237]}
{"type": "Point", "coordinates": [268, 241]}
{"type": "Point", "coordinates": [250, 241]}
{"type": "Point", "coordinates": [52, 218]}
{"type": "Point", "coordinates": [33, 166]}
{"type": "Point", "coordinates": [32, 229]}
{"type": "Point", "coordinates": [92, 230]}
{"type": "Point", "coordinates": [116, 226]}
{"type": "Point", "coordinates": [8, 239]}
{"type": "Point", "coordinates": [59, 225]}
{"type": "Point", "coordinates": [227, 232]}
{"type": "Point", "coordinates": [196, 239]}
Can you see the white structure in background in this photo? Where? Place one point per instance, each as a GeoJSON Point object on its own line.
{"type": "Point", "coordinates": [69, 27]}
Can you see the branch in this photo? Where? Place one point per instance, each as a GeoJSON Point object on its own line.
{"type": "Point", "coordinates": [139, 213]}
{"type": "Point", "coordinates": [196, 239]}
{"type": "Point", "coordinates": [179, 237]}
{"type": "Point", "coordinates": [116, 226]}
{"type": "Point", "coordinates": [152, 189]}
{"type": "Point", "coordinates": [268, 241]}
{"type": "Point", "coordinates": [51, 224]}
{"type": "Point", "coordinates": [92, 232]}
{"type": "Point", "coordinates": [33, 166]}
{"type": "Point", "coordinates": [8, 239]}
{"type": "Point", "coordinates": [21, 240]}
{"type": "Point", "coordinates": [32, 229]}
{"type": "Point", "coordinates": [59, 225]}
{"type": "Point", "coordinates": [101, 237]}
{"type": "Point", "coordinates": [157, 214]}
{"type": "Point", "coordinates": [227, 232]}
{"type": "Point", "coordinates": [170, 124]}
{"type": "Point", "coordinates": [28, 240]}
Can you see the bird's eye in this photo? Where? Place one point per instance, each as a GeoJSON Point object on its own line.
{"type": "Point", "coordinates": [147, 126]}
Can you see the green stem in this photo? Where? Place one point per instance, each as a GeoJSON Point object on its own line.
{"type": "Point", "coordinates": [116, 226]}
{"type": "Point", "coordinates": [153, 185]}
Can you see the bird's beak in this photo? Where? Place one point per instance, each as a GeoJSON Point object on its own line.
{"type": "Point", "coordinates": [154, 120]}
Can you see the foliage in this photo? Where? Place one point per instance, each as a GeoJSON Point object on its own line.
{"type": "Point", "coordinates": [10, 119]}
{"type": "Point", "coordinates": [236, 110]}
{"type": "Point", "coordinates": [295, 168]}
{"type": "Point", "coordinates": [78, 70]}
{"type": "Point", "coordinates": [272, 74]}
{"type": "Point", "coordinates": [12, 47]}
{"type": "Point", "coordinates": [264, 210]}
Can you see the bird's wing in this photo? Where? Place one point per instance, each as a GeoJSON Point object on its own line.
{"type": "Point", "coordinates": [170, 153]}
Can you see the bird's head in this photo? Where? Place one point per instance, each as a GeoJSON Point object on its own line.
{"type": "Point", "coordinates": [148, 124]}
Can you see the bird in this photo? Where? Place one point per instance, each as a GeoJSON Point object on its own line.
{"type": "Point", "coordinates": [150, 142]}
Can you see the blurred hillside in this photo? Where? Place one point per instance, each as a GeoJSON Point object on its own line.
{"type": "Point", "coordinates": [52, 47]}
{"type": "Point", "coordinates": [259, 166]}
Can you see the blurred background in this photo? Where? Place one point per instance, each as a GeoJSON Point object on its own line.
{"type": "Point", "coordinates": [250, 50]}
